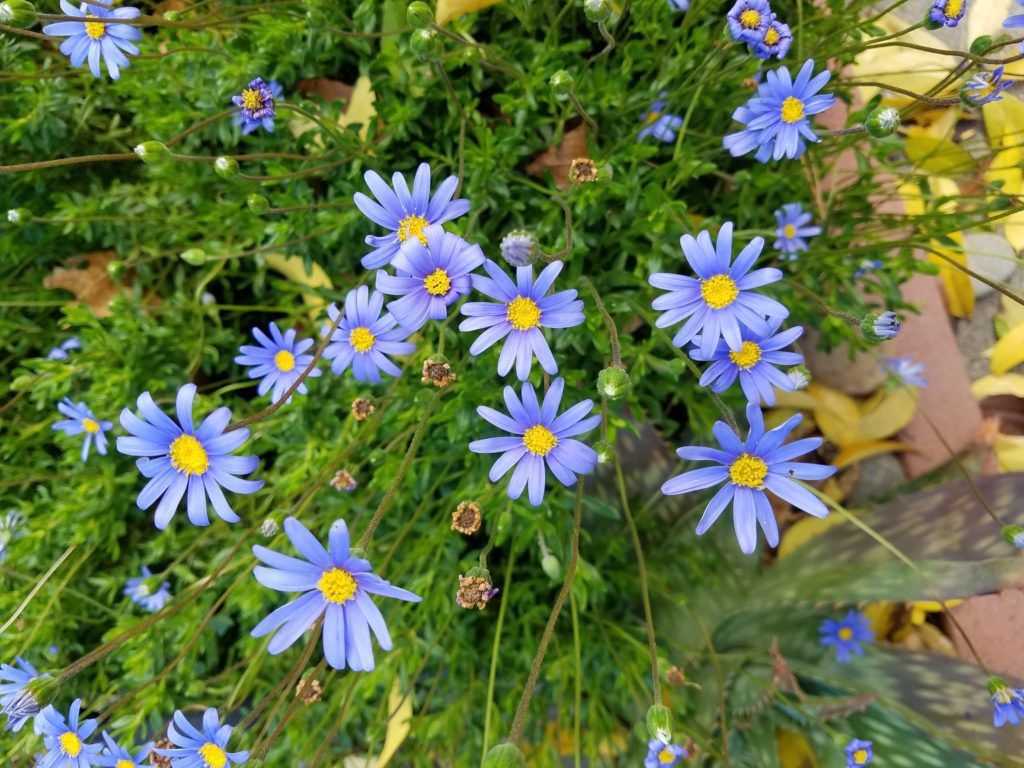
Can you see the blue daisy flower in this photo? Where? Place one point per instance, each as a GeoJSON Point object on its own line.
{"type": "Point", "coordinates": [116, 756]}
{"type": "Point", "coordinates": [679, 5]}
{"type": "Point", "coordinates": [846, 635]}
{"type": "Point", "coordinates": [859, 753]}
{"type": "Point", "coordinates": [748, 470]}
{"type": "Point", "coordinates": [793, 220]}
{"type": "Point", "coordinates": [405, 215]}
{"type": "Point", "coordinates": [278, 361]}
{"type": "Point", "coordinates": [521, 310]}
{"type": "Point", "coordinates": [1016, 21]}
{"type": "Point", "coordinates": [540, 436]}
{"type": "Point", "coordinates": [200, 749]}
{"type": "Point", "coordinates": [257, 105]}
{"type": "Point", "coordinates": [661, 755]}
{"type": "Point", "coordinates": [80, 420]}
{"type": "Point", "coordinates": [905, 370]}
{"type": "Point", "coordinates": [660, 124]}
{"type": "Point", "coordinates": [16, 701]}
{"type": "Point", "coordinates": [948, 12]}
{"type": "Point", "coordinates": [96, 39]}
{"type": "Point", "coordinates": [180, 457]}
{"type": "Point", "coordinates": [337, 586]}
{"type": "Point", "coordinates": [364, 337]}
{"type": "Point", "coordinates": [10, 529]}
{"type": "Point", "coordinates": [430, 277]}
{"type": "Point", "coordinates": [754, 364]}
{"type": "Point", "coordinates": [748, 20]}
{"type": "Point", "coordinates": [720, 301]}
{"type": "Point", "coordinates": [1007, 703]}
{"type": "Point", "coordinates": [61, 352]}
{"type": "Point", "coordinates": [64, 740]}
{"type": "Point", "coordinates": [885, 326]}
{"type": "Point", "coordinates": [986, 87]}
{"type": "Point", "coordinates": [777, 40]}
{"type": "Point", "coordinates": [138, 590]}
{"type": "Point", "coordinates": [776, 118]}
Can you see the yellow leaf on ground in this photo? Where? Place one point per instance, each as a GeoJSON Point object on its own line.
{"type": "Point", "coordinates": [851, 454]}
{"type": "Point", "coordinates": [360, 106]}
{"type": "Point", "coordinates": [886, 413]}
{"type": "Point", "coordinates": [938, 155]}
{"type": "Point", "coordinates": [1008, 352]}
{"type": "Point", "coordinates": [293, 268]}
{"type": "Point", "coordinates": [837, 415]}
{"type": "Point", "coordinates": [1004, 123]}
{"type": "Point", "coordinates": [449, 9]}
{"type": "Point", "coordinates": [1005, 172]}
{"type": "Point", "coordinates": [797, 401]}
{"type": "Point", "coordinates": [1013, 312]}
{"type": "Point", "coordinates": [400, 709]}
{"type": "Point", "coordinates": [794, 750]}
{"type": "Point", "coordinates": [1009, 450]}
{"type": "Point", "coordinates": [990, 386]}
{"type": "Point", "coordinates": [804, 530]}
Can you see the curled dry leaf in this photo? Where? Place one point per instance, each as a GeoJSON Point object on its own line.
{"type": "Point", "coordinates": [559, 159]}
{"type": "Point", "coordinates": [86, 276]}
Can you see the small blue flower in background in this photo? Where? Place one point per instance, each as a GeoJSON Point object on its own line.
{"type": "Point", "coordinates": [364, 337]}
{"type": "Point", "coordinates": [97, 40]}
{"type": "Point", "coordinates": [720, 300]}
{"type": "Point", "coordinates": [521, 310]}
{"type": "Point", "coordinates": [80, 420]}
{"type": "Point", "coordinates": [337, 586]}
{"type": "Point", "coordinates": [748, 469]}
{"type": "Point", "coordinates": [1007, 703]}
{"type": "Point", "coordinates": [405, 215]}
{"type": "Point", "coordinates": [1016, 21]}
{"type": "Point", "coordinates": [64, 740]}
{"type": "Point", "coordinates": [886, 326]}
{"type": "Point", "coordinates": [429, 277]}
{"type": "Point", "coordinates": [13, 696]}
{"type": "Point", "coordinates": [679, 5]}
{"type": "Point", "coordinates": [519, 247]}
{"type": "Point", "coordinates": [257, 106]}
{"type": "Point", "coordinates": [179, 457]}
{"type": "Point", "coordinates": [906, 370]}
{"type": "Point", "coordinates": [61, 352]}
{"type": "Point", "coordinates": [540, 436]}
{"type": "Point", "coordinates": [139, 592]}
{"type": "Point", "coordinates": [749, 19]}
{"type": "Point", "coordinates": [792, 229]}
{"type": "Point", "coordinates": [661, 755]}
{"type": "Point", "coordinates": [948, 12]}
{"type": "Point", "coordinates": [199, 749]}
{"type": "Point", "coordinates": [776, 42]}
{"type": "Point", "coordinates": [846, 635]}
{"type": "Point", "coordinates": [859, 753]}
{"type": "Point", "coordinates": [278, 361]}
{"type": "Point", "coordinates": [754, 364]}
{"type": "Point", "coordinates": [10, 529]}
{"type": "Point", "coordinates": [116, 756]}
{"type": "Point", "coordinates": [868, 265]}
{"type": "Point", "coordinates": [777, 117]}
{"type": "Point", "coordinates": [986, 87]}
{"type": "Point", "coordinates": [660, 124]}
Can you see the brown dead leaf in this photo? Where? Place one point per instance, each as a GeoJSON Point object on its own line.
{"type": "Point", "coordinates": [559, 159]}
{"type": "Point", "coordinates": [86, 276]}
{"type": "Point", "coordinates": [331, 90]}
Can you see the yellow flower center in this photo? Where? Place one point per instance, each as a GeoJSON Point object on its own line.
{"type": "Point", "coordinates": [771, 37]}
{"type": "Point", "coordinates": [719, 291]}
{"type": "Point", "coordinates": [988, 90]}
{"type": "Point", "coordinates": [748, 471]}
{"type": "Point", "coordinates": [539, 441]}
{"type": "Point", "coordinates": [124, 764]}
{"type": "Point", "coordinates": [747, 357]}
{"type": "Point", "coordinates": [95, 29]}
{"type": "Point", "coordinates": [1003, 695]}
{"type": "Point", "coordinates": [284, 360]}
{"type": "Point", "coordinates": [337, 586]}
{"type": "Point", "coordinates": [70, 744]}
{"type": "Point", "coordinates": [90, 426]}
{"type": "Point", "coordinates": [213, 756]}
{"type": "Point", "coordinates": [665, 757]}
{"type": "Point", "coordinates": [412, 226]}
{"type": "Point", "coordinates": [845, 633]}
{"type": "Point", "coordinates": [188, 456]}
{"type": "Point", "coordinates": [437, 282]}
{"type": "Point", "coordinates": [792, 110]}
{"type": "Point", "coordinates": [860, 756]}
{"type": "Point", "coordinates": [523, 313]}
{"type": "Point", "coordinates": [652, 117]}
{"type": "Point", "coordinates": [953, 8]}
{"type": "Point", "coordinates": [789, 231]}
{"type": "Point", "coordinates": [252, 99]}
{"type": "Point", "coordinates": [750, 19]}
{"type": "Point", "coordinates": [361, 339]}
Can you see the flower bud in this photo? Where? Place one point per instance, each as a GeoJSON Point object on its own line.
{"type": "Point", "coordinates": [659, 723]}
{"type": "Point", "coordinates": [269, 528]}
{"type": "Point", "coordinates": [882, 122]}
{"type": "Point", "coordinates": [226, 167]}
{"type": "Point", "coordinates": [551, 566]}
{"type": "Point", "coordinates": [419, 15]}
{"type": "Point", "coordinates": [504, 756]}
{"type": "Point", "coordinates": [800, 377]}
{"type": "Point", "coordinates": [561, 84]}
{"type": "Point", "coordinates": [115, 268]}
{"type": "Point", "coordinates": [17, 13]}
{"type": "Point", "coordinates": [19, 216]}
{"type": "Point", "coordinates": [519, 247]}
{"type": "Point", "coordinates": [981, 45]}
{"type": "Point", "coordinates": [172, 15]}
{"type": "Point", "coordinates": [1014, 534]}
{"type": "Point", "coordinates": [194, 256]}
{"type": "Point", "coordinates": [152, 152]}
{"type": "Point", "coordinates": [597, 10]}
{"type": "Point", "coordinates": [880, 326]}
{"type": "Point", "coordinates": [613, 382]}
{"type": "Point", "coordinates": [258, 204]}
{"type": "Point", "coordinates": [425, 43]}
{"type": "Point", "coordinates": [605, 451]}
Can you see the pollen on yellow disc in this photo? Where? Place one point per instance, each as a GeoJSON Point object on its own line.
{"type": "Point", "coordinates": [652, 117]}
{"type": "Point", "coordinates": [89, 425]}
{"type": "Point", "coordinates": [665, 757]}
{"type": "Point", "coordinates": [124, 764]}
{"type": "Point", "coordinates": [748, 356]}
{"type": "Point", "coordinates": [771, 37]}
{"type": "Point", "coordinates": [437, 282]}
{"type": "Point", "coordinates": [188, 456]}
{"type": "Point", "coordinates": [95, 29]}
{"type": "Point", "coordinates": [719, 291]}
{"type": "Point", "coordinates": [845, 633]}
{"type": "Point", "coordinates": [213, 756]}
{"type": "Point", "coordinates": [252, 99]}
{"type": "Point", "coordinates": [539, 440]}
{"type": "Point", "coordinates": [750, 19]}
{"type": "Point", "coordinates": [789, 231]}
{"type": "Point", "coordinates": [953, 8]}
{"type": "Point", "coordinates": [412, 226]}
{"type": "Point", "coordinates": [284, 360]}
{"type": "Point", "coordinates": [748, 471]}
{"type": "Point", "coordinates": [361, 339]}
{"type": "Point", "coordinates": [523, 313]}
{"type": "Point", "coordinates": [337, 586]}
{"type": "Point", "coordinates": [70, 744]}
{"type": "Point", "coordinates": [860, 756]}
{"type": "Point", "coordinates": [792, 110]}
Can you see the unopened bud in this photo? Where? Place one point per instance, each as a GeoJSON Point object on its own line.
{"type": "Point", "coordinates": [880, 326]}
{"type": "Point", "coordinates": [269, 528]}
{"type": "Point", "coordinates": [258, 204]}
{"type": "Point", "coordinates": [883, 122]}
{"type": "Point", "coordinates": [551, 566]}
{"type": "Point", "coordinates": [519, 247]}
{"type": "Point", "coordinates": [605, 451]}
{"type": "Point", "coordinates": [419, 15]}
{"type": "Point", "coordinates": [425, 43]}
{"type": "Point", "coordinates": [981, 45]}
{"type": "Point", "coordinates": [226, 167]}
{"type": "Point", "coordinates": [194, 256]}
{"type": "Point", "coordinates": [561, 84]}
{"type": "Point", "coordinates": [613, 382]}
{"type": "Point", "coordinates": [659, 723]}
{"type": "Point", "coordinates": [800, 377]}
{"type": "Point", "coordinates": [597, 10]}
{"type": "Point", "coordinates": [17, 13]}
{"type": "Point", "coordinates": [1014, 534]}
{"type": "Point", "coordinates": [115, 268]}
{"type": "Point", "coordinates": [152, 152]}
{"type": "Point", "coordinates": [504, 756]}
{"type": "Point", "coordinates": [19, 216]}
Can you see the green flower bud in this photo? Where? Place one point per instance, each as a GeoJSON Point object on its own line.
{"type": "Point", "coordinates": [357, 552]}
{"type": "Point", "coordinates": [561, 84]}
{"type": "Point", "coordinates": [659, 723]}
{"type": "Point", "coordinates": [425, 43]}
{"type": "Point", "coordinates": [1014, 534]}
{"type": "Point", "coordinates": [800, 377]}
{"type": "Point", "coordinates": [551, 566]}
{"type": "Point", "coordinates": [226, 167]}
{"type": "Point", "coordinates": [882, 122]}
{"type": "Point", "coordinates": [19, 216]}
{"type": "Point", "coordinates": [597, 10]}
{"type": "Point", "coordinates": [17, 13]}
{"type": "Point", "coordinates": [419, 15]}
{"type": "Point", "coordinates": [880, 326]}
{"type": "Point", "coordinates": [981, 44]}
{"type": "Point", "coordinates": [194, 256]}
{"type": "Point", "coordinates": [605, 451]}
{"type": "Point", "coordinates": [152, 152]}
{"type": "Point", "coordinates": [172, 15]}
{"type": "Point", "coordinates": [613, 382]}
{"type": "Point", "coordinates": [269, 528]}
{"type": "Point", "coordinates": [504, 756]}
{"type": "Point", "coordinates": [258, 204]}
{"type": "Point", "coordinates": [115, 268]}
{"type": "Point", "coordinates": [929, 22]}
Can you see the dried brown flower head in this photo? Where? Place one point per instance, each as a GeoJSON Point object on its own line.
{"type": "Point", "coordinates": [583, 170]}
{"type": "Point", "coordinates": [474, 592]}
{"type": "Point", "coordinates": [675, 676]}
{"type": "Point", "coordinates": [437, 372]}
{"type": "Point", "coordinates": [467, 518]}
{"type": "Point", "coordinates": [344, 481]}
{"type": "Point", "coordinates": [308, 691]}
{"type": "Point", "coordinates": [159, 760]}
{"type": "Point", "coordinates": [361, 408]}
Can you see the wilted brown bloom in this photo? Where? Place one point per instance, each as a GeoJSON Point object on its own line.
{"type": "Point", "coordinates": [308, 691]}
{"type": "Point", "coordinates": [474, 592]}
{"type": "Point", "coordinates": [675, 676]}
{"type": "Point", "coordinates": [361, 408]}
{"type": "Point", "coordinates": [344, 481]}
{"type": "Point", "coordinates": [437, 373]}
{"type": "Point", "coordinates": [466, 518]}
{"type": "Point", "coordinates": [159, 760]}
{"type": "Point", "coordinates": [583, 171]}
